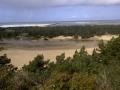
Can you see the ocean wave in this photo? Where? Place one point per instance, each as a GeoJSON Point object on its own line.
{"type": "Point", "coordinates": [25, 25]}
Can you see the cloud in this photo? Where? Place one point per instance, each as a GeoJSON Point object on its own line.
{"type": "Point", "coordinates": [36, 4]}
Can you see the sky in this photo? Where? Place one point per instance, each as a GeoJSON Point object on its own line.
{"type": "Point", "coordinates": [58, 10]}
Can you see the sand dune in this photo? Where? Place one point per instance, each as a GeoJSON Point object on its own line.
{"type": "Point", "coordinates": [19, 57]}
{"type": "Point", "coordinates": [103, 37]}
{"type": "Point", "coordinates": [62, 37]}
{"type": "Point", "coordinates": [106, 37]}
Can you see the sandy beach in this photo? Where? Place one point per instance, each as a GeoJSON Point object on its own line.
{"type": "Point", "coordinates": [20, 56]}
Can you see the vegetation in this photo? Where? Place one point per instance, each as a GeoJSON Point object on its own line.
{"type": "Point", "coordinates": [99, 71]}
{"type": "Point", "coordinates": [6, 73]}
{"type": "Point", "coordinates": [49, 32]}
{"type": "Point", "coordinates": [1, 48]}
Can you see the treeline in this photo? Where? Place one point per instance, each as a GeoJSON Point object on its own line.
{"type": "Point", "coordinates": [86, 31]}
{"type": "Point", "coordinates": [99, 71]}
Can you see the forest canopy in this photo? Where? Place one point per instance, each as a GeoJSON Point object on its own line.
{"type": "Point", "coordinates": [86, 31]}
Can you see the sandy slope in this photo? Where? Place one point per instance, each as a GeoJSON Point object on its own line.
{"type": "Point", "coordinates": [106, 37]}
{"type": "Point", "coordinates": [19, 57]}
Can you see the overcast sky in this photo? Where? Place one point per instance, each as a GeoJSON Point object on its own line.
{"type": "Point", "coordinates": [58, 10]}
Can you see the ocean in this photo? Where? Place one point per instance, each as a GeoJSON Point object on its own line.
{"type": "Point", "coordinates": [59, 23]}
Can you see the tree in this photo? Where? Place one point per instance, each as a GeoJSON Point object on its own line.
{"type": "Point", "coordinates": [37, 64]}
{"type": "Point", "coordinates": [83, 51]}
{"type": "Point", "coordinates": [76, 37]}
{"type": "Point", "coordinates": [4, 60]}
{"type": "Point", "coordinates": [6, 73]}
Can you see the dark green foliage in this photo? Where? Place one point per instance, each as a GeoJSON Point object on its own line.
{"type": "Point", "coordinates": [24, 82]}
{"type": "Point", "coordinates": [37, 64]}
{"type": "Point", "coordinates": [37, 70]}
{"type": "Point", "coordinates": [109, 56]}
{"type": "Point", "coordinates": [49, 32]}
{"type": "Point", "coordinates": [1, 48]}
{"type": "Point", "coordinates": [4, 60]}
{"type": "Point", "coordinates": [76, 81]}
{"type": "Point", "coordinates": [45, 38]}
{"type": "Point", "coordinates": [6, 73]}
{"type": "Point", "coordinates": [0, 38]}
{"type": "Point", "coordinates": [76, 37]}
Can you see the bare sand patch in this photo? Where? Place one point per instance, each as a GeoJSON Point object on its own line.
{"type": "Point", "coordinates": [59, 38]}
{"type": "Point", "coordinates": [19, 57]}
{"type": "Point", "coordinates": [63, 37]}
{"type": "Point", "coordinates": [105, 37]}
